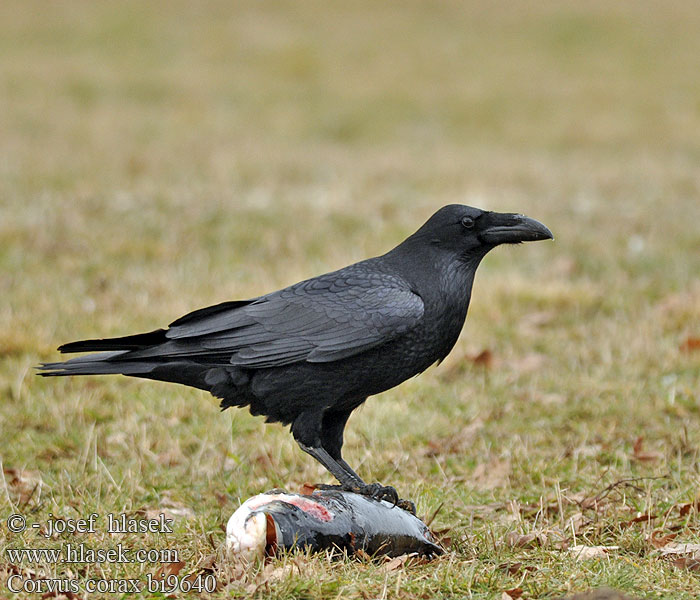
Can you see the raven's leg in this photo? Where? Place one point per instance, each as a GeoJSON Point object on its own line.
{"type": "Point", "coordinates": [307, 430]}
{"type": "Point", "coordinates": [328, 453]}
{"type": "Point", "coordinates": [346, 480]}
{"type": "Point", "coordinates": [332, 428]}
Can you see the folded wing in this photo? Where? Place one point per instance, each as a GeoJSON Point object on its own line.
{"type": "Point", "coordinates": [320, 320]}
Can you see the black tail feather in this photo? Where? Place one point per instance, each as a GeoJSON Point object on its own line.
{"type": "Point", "coordinates": [96, 364]}
{"type": "Point", "coordinates": [129, 342]}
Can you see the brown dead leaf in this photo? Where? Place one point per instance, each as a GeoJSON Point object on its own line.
{"type": "Point", "coordinates": [527, 540]}
{"type": "Point", "coordinates": [167, 569]}
{"type": "Point", "coordinates": [513, 594]}
{"type": "Point", "coordinates": [362, 555]}
{"type": "Point", "coordinates": [659, 540]}
{"type": "Point", "coordinates": [561, 544]}
{"type": "Point", "coordinates": [459, 366]}
{"type": "Point", "coordinates": [517, 568]}
{"type": "Point", "coordinates": [684, 509]}
{"type": "Point", "coordinates": [395, 563]}
{"type": "Point", "coordinates": [679, 548]}
{"type": "Point", "coordinates": [640, 518]}
{"type": "Point", "coordinates": [307, 489]}
{"type": "Point", "coordinates": [221, 499]}
{"type": "Point", "coordinates": [484, 359]}
{"type": "Point", "coordinates": [690, 344]}
{"type": "Point", "coordinates": [639, 454]}
{"type": "Point", "coordinates": [582, 552]}
{"type": "Point", "coordinates": [588, 502]}
{"type": "Point", "coordinates": [207, 563]}
{"type": "Point", "coordinates": [23, 485]}
{"type": "Point", "coordinates": [639, 442]}
{"type": "Point", "coordinates": [691, 564]}
{"type": "Point", "coordinates": [443, 538]}
{"type": "Point", "coordinates": [575, 522]}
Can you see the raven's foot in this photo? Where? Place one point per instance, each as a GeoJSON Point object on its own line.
{"type": "Point", "coordinates": [407, 505]}
{"type": "Point", "coordinates": [388, 493]}
{"type": "Point", "coordinates": [380, 492]}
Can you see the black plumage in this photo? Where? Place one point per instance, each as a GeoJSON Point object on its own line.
{"type": "Point", "coordinates": [309, 354]}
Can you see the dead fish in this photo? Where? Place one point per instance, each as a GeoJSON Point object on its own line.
{"type": "Point", "coordinates": [326, 519]}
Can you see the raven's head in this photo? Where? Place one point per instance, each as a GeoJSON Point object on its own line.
{"type": "Point", "coordinates": [469, 231]}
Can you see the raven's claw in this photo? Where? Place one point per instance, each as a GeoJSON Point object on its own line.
{"type": "Point", "coordinates": [407, 505]}
{"type": "Point", "coordinates": [388, 493]}
{"type": "Point", "coordinates": [376, 491]}
{"type": "Point", "coordinates": [381, 492]}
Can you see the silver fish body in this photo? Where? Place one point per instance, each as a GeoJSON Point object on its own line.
{"type": "Point", "coordinates": [326, 519]}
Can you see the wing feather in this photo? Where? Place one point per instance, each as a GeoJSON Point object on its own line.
{"type": "Point", "coordinates": [324, 319]}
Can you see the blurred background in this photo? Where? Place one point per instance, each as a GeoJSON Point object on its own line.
{"type": "Point", "coordinates": [156, 157]}
{"type": "Point", "coordinates": [268, 141]}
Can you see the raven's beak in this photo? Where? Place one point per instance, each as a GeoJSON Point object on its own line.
{"type": "Point", "coordinates": [505, 228]}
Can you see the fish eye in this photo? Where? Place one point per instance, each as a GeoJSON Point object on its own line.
{"type": "Point", "coordinates": [467, 222]}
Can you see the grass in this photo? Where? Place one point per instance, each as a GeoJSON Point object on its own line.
{"type": "Point", "coordinates": [157, 157]}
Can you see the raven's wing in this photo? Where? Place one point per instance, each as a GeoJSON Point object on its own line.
{"type": "Point", "coordinates": [318, 320]}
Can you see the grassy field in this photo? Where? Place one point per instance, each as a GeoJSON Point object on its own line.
{"type": "Point", "coordinates": [158, 157]}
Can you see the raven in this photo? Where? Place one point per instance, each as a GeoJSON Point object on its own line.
{"type": "Point", "coordinates": [309, 354]}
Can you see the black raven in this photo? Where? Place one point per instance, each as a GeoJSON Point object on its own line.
{"type": "Point", "coordinates": [309, 354]}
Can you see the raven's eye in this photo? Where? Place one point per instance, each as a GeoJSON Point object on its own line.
{"type": "Point", "coordinates": [467, 222]}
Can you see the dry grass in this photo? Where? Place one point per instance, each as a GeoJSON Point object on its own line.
{"type": "Point", "coordinates": [158, 157]}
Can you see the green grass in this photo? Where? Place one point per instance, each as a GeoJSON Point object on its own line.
{"type": "Point", "coordinates": [158, 157]}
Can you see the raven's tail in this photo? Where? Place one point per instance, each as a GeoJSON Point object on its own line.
{"type": "Point", "coordinates": [123, 356]}
{"type": "Point", "coordinates": [103, 363]}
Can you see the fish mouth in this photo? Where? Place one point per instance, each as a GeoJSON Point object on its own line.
{"type": "Point", "coordinates": [513, 229]}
